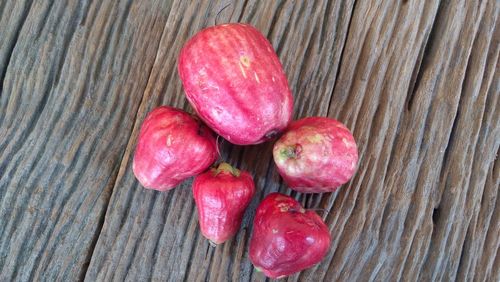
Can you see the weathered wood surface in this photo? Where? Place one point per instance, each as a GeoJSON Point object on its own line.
{"type": "Point", "coordinates": [418, 82]}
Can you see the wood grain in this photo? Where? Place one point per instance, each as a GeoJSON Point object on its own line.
{"type": "Point", "coordinates": [409, 117]}
{"type": "Point", "coordinates": [74, 74]}
{"type": "Point", "coordinates": [418, 82]}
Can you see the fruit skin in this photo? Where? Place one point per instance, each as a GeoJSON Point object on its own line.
{"type": "Point", "coordinates": [286, 238]}
{"type": "Point", "coordinates": [173, 145]}
{"type": "Point", "coordinates": [316, 154]}
{"type": "Point", "coordinates": [235, 82]}
{"type": "Point", "coordinates": [222, 194]}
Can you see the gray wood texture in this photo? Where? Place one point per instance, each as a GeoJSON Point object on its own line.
{"type": "Point", "coordinates": [418, 82]}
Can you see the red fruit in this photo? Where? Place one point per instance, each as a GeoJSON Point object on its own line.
{"type": "Point", "coordinates": [286, 238]}
{"type": "Point", "coordinates": [172, 146]}
{"type": "Point", "coordinates": [316, 154]}
{"type": "Point", "coordinates": [235, 82]}
{"type": "Point", "coordinates": [222, 194]}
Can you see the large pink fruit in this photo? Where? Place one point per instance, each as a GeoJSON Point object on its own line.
{"type": "Point", "coordinates": [172, 146]}
{"type": "Point", "coordinates": [316, 154]}
{"type": "Point", "coordinates": [222, 194]}
{"type": "Point", "coordinates": [235, 82]}
{"type": "Point", "coordinates": [286, 238]}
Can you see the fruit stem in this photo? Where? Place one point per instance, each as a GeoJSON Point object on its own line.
{"type": "Point", "coordinates": [227, 168]}
{"type": "Point", "coordinates": [223, 8]}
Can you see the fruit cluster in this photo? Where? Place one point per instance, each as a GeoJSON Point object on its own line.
{"type": "Point", "coordinates": [235, 82]}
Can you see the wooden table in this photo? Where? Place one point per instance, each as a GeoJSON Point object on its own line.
{"type": "Point", "coordinates": [416, 81]}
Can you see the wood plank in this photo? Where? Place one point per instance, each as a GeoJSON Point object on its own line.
{"type": "Point", "coordinates": [151, 235]}
{"type": "Point", "coordinates": [73, 74]}
{"type": "Point", "coordinates": [418, 83]}
{"type": "Point", "coordinates": [394, 222]}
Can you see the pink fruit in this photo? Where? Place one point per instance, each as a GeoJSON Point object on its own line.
{"type": "Point", "coordinates": [235, 82]}
{"type": "Point", "coordinates": [316, 154]}
{"type": "Point", "coordinates": [172, 146]}
{"type": "Point", "coordinates": [286, 238]}
{"type": "Point", "coordinates": [222, 194]}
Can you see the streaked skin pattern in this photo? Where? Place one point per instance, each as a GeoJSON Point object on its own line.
{"type": "Point", "coordinates": [316, 154]}
{"type": "Point", "coordinates": [172, 146]}
{"type": "Point", "coordinates": [235, 82]}
{"type": "Point", "coordinates": [286, 238]}
{"type": "Point", "coordinates": [221, 195]}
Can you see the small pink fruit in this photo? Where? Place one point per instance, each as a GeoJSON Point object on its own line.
{"type": "Point", "coordinates": [286, 238]}
{"type": "Point", "coordinates": [172, 146]}
{"type": "Point", "coordinates": [222, 194]}
{"type": "Point", "coordinates": [316, 154]}
{"type": "Point", "coordinates": [234, 80]}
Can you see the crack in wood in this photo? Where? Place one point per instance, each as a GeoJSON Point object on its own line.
{"type": "Point", "coordinates": [335, 83]}
{"type": "Point", "coordinates": [10, 47]}
{"type": "Point", "coordinates": [423, 56]}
